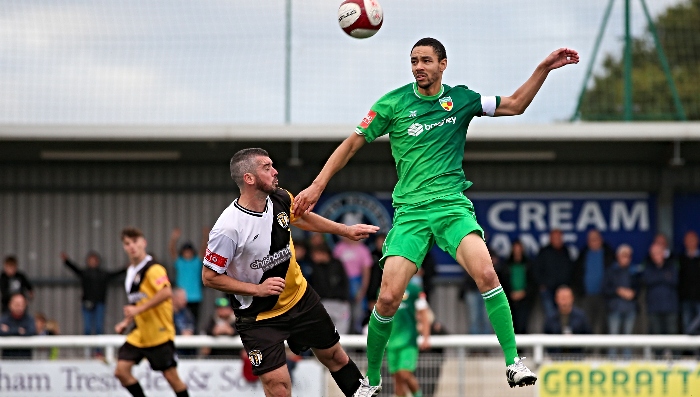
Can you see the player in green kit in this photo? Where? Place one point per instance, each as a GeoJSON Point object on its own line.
{"type": "Point", "coordinates": [427, 124]}
{"type": "Point", "coordinates": [402, 349]}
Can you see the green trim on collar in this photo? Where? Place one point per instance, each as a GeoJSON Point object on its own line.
{"type": "Point", "coordinates": [428, 98]}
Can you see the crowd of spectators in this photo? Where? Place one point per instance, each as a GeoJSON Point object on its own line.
{"type": "Point", "coordinates": [600, 291]}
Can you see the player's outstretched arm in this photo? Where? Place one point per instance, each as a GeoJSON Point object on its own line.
{"type": "Point", "coordinates": [312, 222]}
{"type": "Point", "coordinates": [305, 201]}
{"type": "Point", "coordinates": [523, 96]}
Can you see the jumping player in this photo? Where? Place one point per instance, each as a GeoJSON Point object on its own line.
{"type": "Point", "coordinates": [250, 256]}
{"type": "Point", "coordinates": [427, 124]}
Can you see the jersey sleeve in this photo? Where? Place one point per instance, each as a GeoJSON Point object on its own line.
{"type": "Point", "coordinates": [482, 105]}
{"type": "Point", "coordinates": [489, 104]}
{"type": "Point", "coordinates": [220, 250]}
{"type": "Point", "coordinates": [376, 122]}
{"type": "Point", "coordinates": [157, 277]}
{"type": "Point", "coordinates": [292, 218]}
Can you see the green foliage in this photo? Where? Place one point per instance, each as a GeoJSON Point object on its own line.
{"type": "Point", "coordinates": [678, 29]}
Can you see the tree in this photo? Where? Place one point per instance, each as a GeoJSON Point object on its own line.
{"type": "Point", "coordinates": [679, 33]}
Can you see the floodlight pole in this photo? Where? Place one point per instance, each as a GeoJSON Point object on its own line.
{"type": "Point", "coordinates": [591, 62]}
{"type": "Point", "coordinates": [680, 111]}
{"type": "Point", "coordinates": [628, 113]}
{"type": "Point", "coordinates": [288, 62]}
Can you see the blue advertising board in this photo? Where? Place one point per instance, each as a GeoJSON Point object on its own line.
{"type": "Point", "coordinates": [686, 216]}
{"type": "Point", "coordinates": [620, 217]}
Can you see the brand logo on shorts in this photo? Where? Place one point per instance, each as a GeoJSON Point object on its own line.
{"type": "Point", "coordinates": [255, 357]}
{"type": "Point", "coordinates": [415, 129]}
{"type": "Point", "coordinates": [446, 103]}
{"type": "Point", "coordinates": [283, 220]}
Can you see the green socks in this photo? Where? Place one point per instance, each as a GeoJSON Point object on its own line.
{"type": "Point", "coordinates": [502, 321]}
{"type": "Point", "coordinates": [377, 339]}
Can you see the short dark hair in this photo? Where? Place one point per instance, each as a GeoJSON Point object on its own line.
{"type": "Point", "coordinates": [10, 260]}
{"type": "Point", "coordinates": [131, 232]}
{"type": "Point", "coordinates": [242, 163]}
{"type": "Point", "coordinates": [435, 43]}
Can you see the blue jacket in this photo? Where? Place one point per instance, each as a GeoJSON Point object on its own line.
{"type": "Point", "coordinates": [23, 326]}
{"type": "Point", "coordinates": [662, 287]}
{"type": "Point", "coordinates": [616, 277]}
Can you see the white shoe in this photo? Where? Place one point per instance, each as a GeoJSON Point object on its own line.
{"type": "Point", "coordinates": [519, 375]}
{"type": "Point", "coordinates": [365, 390]}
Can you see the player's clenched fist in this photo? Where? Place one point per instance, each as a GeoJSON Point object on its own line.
{"type": "Point", "coordinates": [271, 286]}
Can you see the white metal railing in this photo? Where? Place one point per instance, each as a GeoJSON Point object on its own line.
{"type": "Point", "coordinates": [537, 342]}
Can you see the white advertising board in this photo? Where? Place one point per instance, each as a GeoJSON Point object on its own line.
{"type": "Point", "coordinates": [211, 378]}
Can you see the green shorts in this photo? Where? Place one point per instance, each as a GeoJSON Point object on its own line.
{"type": "Point", "coordinates": [402, 359]}
{"type": "Point", "coordinates": [445, 221]}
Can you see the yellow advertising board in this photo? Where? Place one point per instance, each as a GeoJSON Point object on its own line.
{"type": "Point", "coordinates": [611, 379]}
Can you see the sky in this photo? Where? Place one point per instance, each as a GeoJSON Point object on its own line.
{"type": "Point", "coordinates": [223, 61]}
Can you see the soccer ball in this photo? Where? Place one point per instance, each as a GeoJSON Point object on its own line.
{"type": "Point", "coordinates": [360, 18]}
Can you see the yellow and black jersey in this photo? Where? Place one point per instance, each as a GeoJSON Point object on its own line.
{"type": "Point", "coordinates": [254, 246]}
{"type": "Point", "coordinates": [154, 326]}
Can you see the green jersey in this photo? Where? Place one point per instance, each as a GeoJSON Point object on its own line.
{"type": "Point", "coordinates": [404, 331]}
{"type": "Point", "coordinates": [427, 136]}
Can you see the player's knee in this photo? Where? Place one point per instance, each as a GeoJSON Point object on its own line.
{"type": "Point", "coordinates": [340, 358]}
{"type": "Point", "coordinates": [280, 389]}
{"type": "Point", "coordinates": [388, 302]}
{"type": "Point", "coordinates": [486, 278]}
{"type": "Point", "coordinates": [121, 374]}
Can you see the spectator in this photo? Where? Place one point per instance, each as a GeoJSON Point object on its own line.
{"type": "Point", "coordinates": [188, 269]}
{"type": "Point", "coordinates": [517, 280]}
{"type": "Point", "coordinates": [94, 281]}
{"type": "Point", "coordinates": [661, 239]}
{"type": "Point", "coordinates": [183, 319]}
{"type": "Point", "coordinates": [567, 320]}
{"type": "Point", "coordinates": [620, 287]}
{"type": "Point", "coordinates": [689, 275]}
{"type": "Point", "coordinates": [357, 260]}
{"type": "Point", "coordinates": [331, 283]}
{"type": "Point", "coordinates": [660, 277]}
{"type": "Point", "coordinates": [479, 322]}
{"type": "Point", "coordinates": [375, 277]}
{"type": "Point", "coordinates": [317, 239]}
{"type": "Point", "coordinates": [553, 268]}
{"type": "Point", "coordinates": [47, 328]}
{"type": "Point", "coordinates": [301, 253]}
{"type": "Point", "coordinates": [13, 282]}
{"type": "Point", "coordinates": [17, 322]}
{"type": "Point", "coordinates": [589, 269]}
{"type": "Point", "coordinates": [429, 268]}
{"type": "Point", "coordinates": [223, 323]}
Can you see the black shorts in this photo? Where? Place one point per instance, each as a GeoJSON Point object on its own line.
{"type": "Point", "coordinates": [160, 357]}
{"type": "Point", "coordinates": [306, 325]}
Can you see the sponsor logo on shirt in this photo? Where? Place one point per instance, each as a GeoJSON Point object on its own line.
{"type": "Point", "coordinates": [446, 103]}
{"type": "Point", "coordinates": [367, 120]}
{"type": "Point", "coordinates": [272, 260]}
{"type": "Point", "coordinates": [283, 220]}
{"type": "Point", "coordinates": [136, 296]}
{"type": "Point", "coordinates": [162, 279]}
{"type": "Point", "coordinates": [412, 113]}
{"type": "Point", "coordinates": [416, 129]}
{"type": "Point", "coordinates": [215, 259]}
